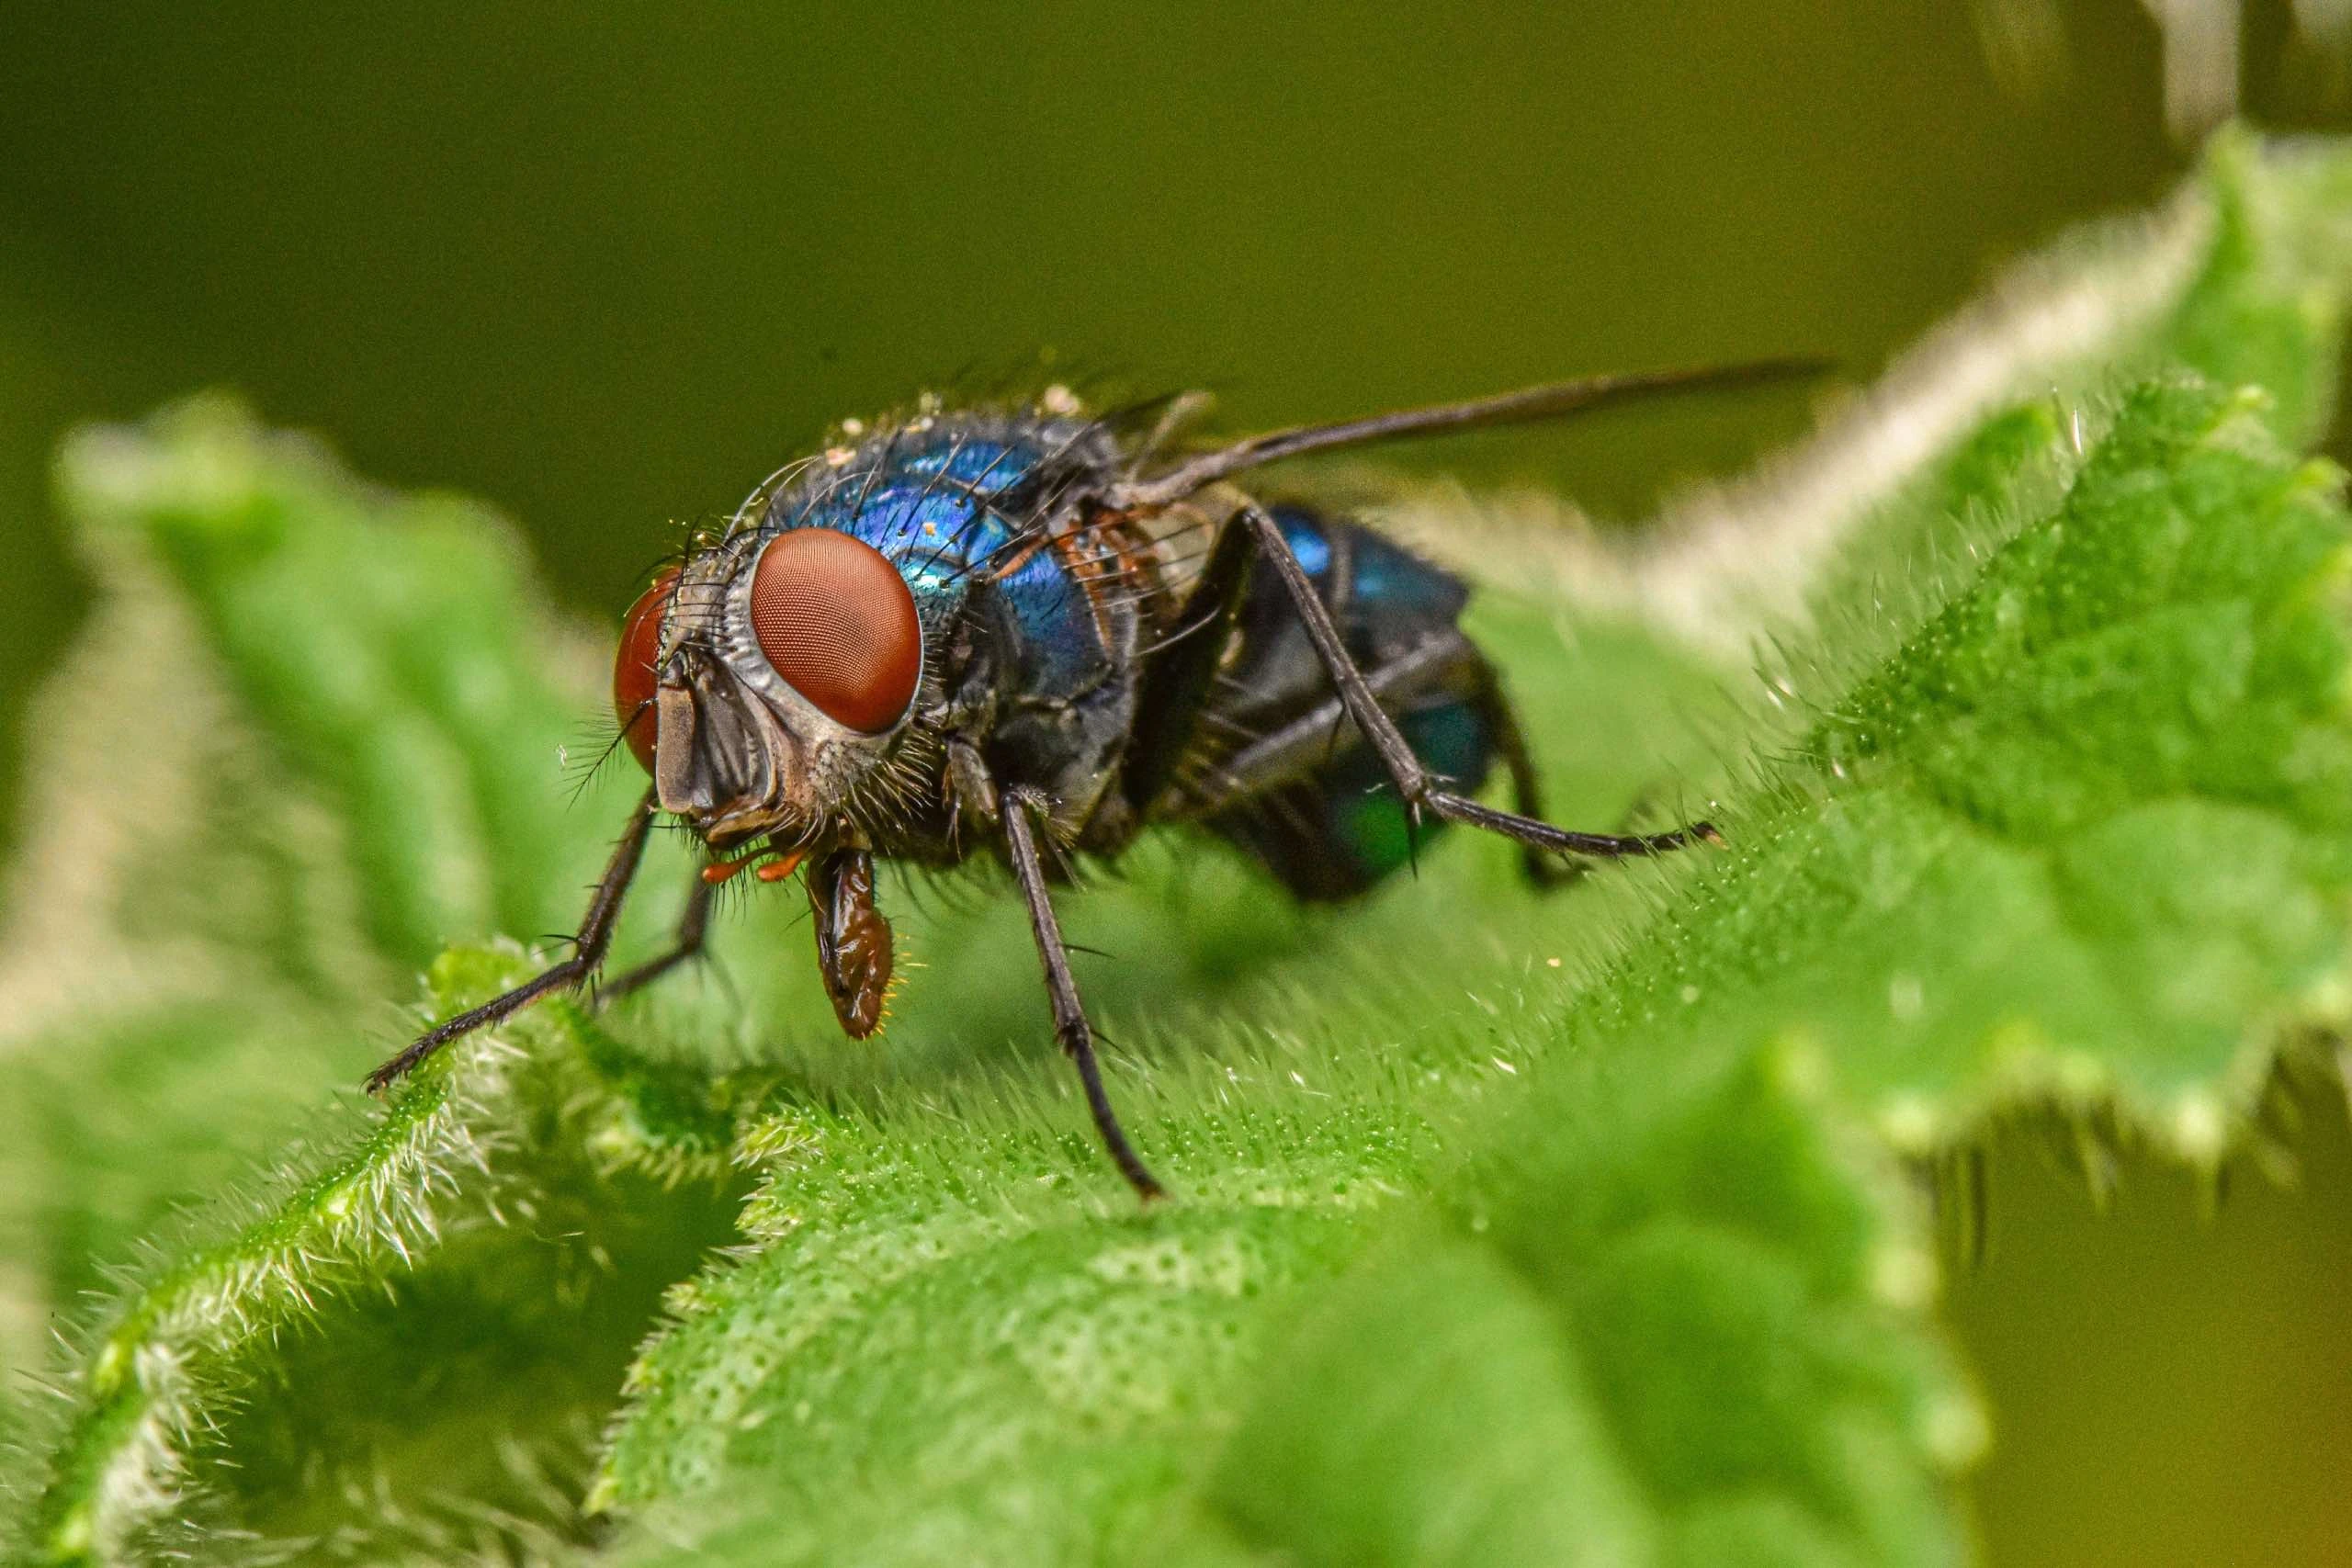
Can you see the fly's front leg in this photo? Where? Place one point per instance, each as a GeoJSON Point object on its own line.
{"type": "Point", "coordinates": [693, 929]}
{"type": "Point", "coordinates": [587, 953]}
{"type": "Point", "coordinates": [1016, 810]}
{"type": "Point", "coordinates": [1415, 783]}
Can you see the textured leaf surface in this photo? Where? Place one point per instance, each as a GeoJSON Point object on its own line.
{"type": "Point", "coordinates": [1672, 1323]}
{"type": "Point", "coordinates": [2085, 836]}
{"type": "Point", "coordinates": [395, 1306]}
{"type": "Point", "coordinates": [1511, 1228]}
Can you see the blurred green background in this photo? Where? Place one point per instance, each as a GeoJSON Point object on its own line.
{"type": "Point", "coordinates": [608, 269]}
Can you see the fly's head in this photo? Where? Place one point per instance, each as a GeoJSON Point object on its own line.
{"type": "Point", "coordinates": [768, 683]}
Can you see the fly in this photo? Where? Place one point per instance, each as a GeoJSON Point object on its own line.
{"type": "Point", "coordinates": [1027, 635]}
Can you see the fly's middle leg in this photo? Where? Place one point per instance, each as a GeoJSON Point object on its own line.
{"type": "Point", "coordinates": [1423, 790]}
{"type": "Point", "coordinates": [1016, 812]}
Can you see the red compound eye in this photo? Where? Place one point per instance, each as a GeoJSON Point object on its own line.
{"type": "Point", "coordinates": [633, 672]}
{"type": "Point", "coordinates": [835, 618]}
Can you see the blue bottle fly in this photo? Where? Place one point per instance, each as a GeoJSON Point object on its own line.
{"type": "Point", "coordinates": [1028, 634]}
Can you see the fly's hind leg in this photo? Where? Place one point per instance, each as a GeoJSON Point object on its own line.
{"type": "Point", "coordinates": [1493, 706]}
{"type": "Point", "coordinates": [1414, 782]}
{"type": "Point", "coordinates": [1543, 870]}
{"type": "Point", "coordinates": [1292, 752]}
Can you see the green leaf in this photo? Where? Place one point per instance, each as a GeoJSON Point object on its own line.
{"type": "Point", "coordinates": [1674, 1324]}
{"type": "Point", "coordinates": [2084, 839]}
{"type": "Point", "coordinates": [1509, 1227]}
{"type": "Point", "coordinates": [473, 1263]}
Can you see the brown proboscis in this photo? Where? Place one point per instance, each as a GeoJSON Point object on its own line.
{"type": "Point", "coordinates": [854, 948]}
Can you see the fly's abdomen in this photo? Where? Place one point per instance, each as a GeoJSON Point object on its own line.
{"type": "Point", "coordinates": [1325, 818]}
